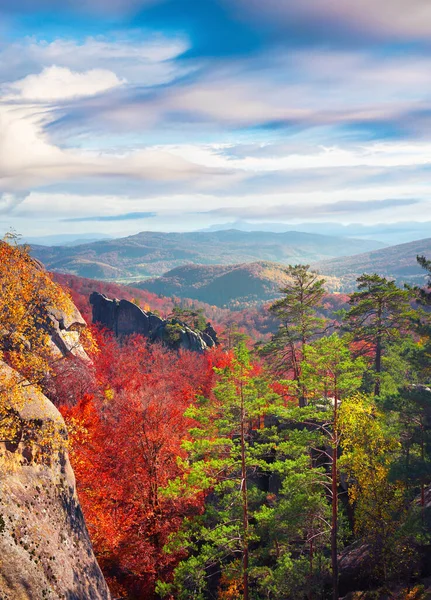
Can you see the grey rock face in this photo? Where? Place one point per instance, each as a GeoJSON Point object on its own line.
{"type": "Point", "coordinates": [125, 318]}
{"type": "Point", "coordinates": [45, 550]}
{"type": "Point", "coordinates": [64, 329]}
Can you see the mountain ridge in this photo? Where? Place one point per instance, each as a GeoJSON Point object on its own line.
{"type": "Point", "coordinates": [149, 254]}
{"type": "Point", "coordinates": [396, 262]}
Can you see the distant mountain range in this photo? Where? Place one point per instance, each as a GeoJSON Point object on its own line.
{"type": "Point", "coordinates": [231, 268]}
{"type": "Point", "coordinates": [229, 286]}
{"type": "Point", "coordinates": [396, 262]}
{"type": "Point", "coordinates": [66, 239]}
{"type": "Point", "coordinates": [152, 253]}
{"type": "Point", "coordinates": [236, 286]}
{"type": "Point", "coordinates": [388, 233]}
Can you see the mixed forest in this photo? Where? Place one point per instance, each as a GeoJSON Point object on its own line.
{"type": "Point", "coordinates": [292, 461]}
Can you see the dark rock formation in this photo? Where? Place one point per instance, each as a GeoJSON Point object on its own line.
{"type": "Point", "coordinates": [125, 318]}
{"type": "Point", "coordinates": [45, 550]}
{"type": "Point", "coordinates": [211, 332]}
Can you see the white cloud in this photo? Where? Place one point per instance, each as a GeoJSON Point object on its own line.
{"type": "Point", "coordinates": [147, 60]}
{"type": "Point", "coordinates": [60, 83]}
{"type": "Point", "coordinates": [9, 201]}
{"type": "Point", "coordinates": [305, 88]}
{"type": "Point", "coordinates": [374, 155]}
{"type": "Point", "coordinates": [29, 159]}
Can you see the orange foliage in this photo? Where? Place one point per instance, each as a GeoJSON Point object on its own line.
{"type": "Point", "coordinates": [126, 441]}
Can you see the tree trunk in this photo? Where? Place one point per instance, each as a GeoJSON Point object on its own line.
{"type": "Point", "coordinates": [334, 528]}
{"type": "Point", "coordinates": [378, 365]}
{"type": "Point", "coordinates": [244, 502]}
{"type": "Point", "coordinates": [422, 478]}
{"type": "Point", "coordinates": [378, 357]}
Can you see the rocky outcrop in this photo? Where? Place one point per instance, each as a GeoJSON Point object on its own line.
{"type": "Point", "coordinates": [64, 328]}
{"type": "Point", "coordinates": [125, 318]}
{"type": "Point", "coordinates": [45, 550]}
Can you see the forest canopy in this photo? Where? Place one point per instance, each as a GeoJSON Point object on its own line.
{"type": "Point", "coordinates": [254, 471]}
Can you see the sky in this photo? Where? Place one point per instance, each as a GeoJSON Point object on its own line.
{"type": "Point", "coordinates": [119, 116]}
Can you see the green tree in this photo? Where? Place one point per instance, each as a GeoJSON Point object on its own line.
{"type": "Point", "coordinates": [380, 312]}
{"type": "Point", "coordinates": [330, 374]}
{"type": "Point", "coordinates": [222, 459]}
{"type": "Point", "coordinates": [420, 357]}
{"type": "Point", "coordinates": [193, 317]}
{"type": "Point", "coordinates": [265, 529]}
{"type": "Point", "coordinates": [410, 413]}
{"type": "Point", "coordinates": [232, 337]}
{"type": "Point", "coordinates": [299, 323]}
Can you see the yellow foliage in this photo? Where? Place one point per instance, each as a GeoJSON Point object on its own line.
{"type": "Point", "coordinates": [231, 585]}
{"type": "Point", "coordinates": [26, 295]}
{"type": "Point", "coordinates": [88, 342]}
{"type": "Point", "coordinates": [368, 450]}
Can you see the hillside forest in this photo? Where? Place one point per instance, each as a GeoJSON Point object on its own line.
{"type": "Point", "coordinates": [291, 461]}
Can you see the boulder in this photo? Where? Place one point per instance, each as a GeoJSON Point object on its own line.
{"type": "Point", "coordinates": [45, 550]}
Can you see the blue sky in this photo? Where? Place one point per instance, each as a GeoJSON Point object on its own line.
{"type": "Point", "coordinates": [126, 115]}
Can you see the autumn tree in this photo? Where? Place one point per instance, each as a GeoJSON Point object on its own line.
{"type": "Point", "coordinates": [27, 297]}
{"type": "Point", "coordinates": [369, 449]}
{"type": "Point", "coordinates": [126, 438]}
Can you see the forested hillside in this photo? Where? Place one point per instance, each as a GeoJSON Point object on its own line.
{"type": "Point", "coordinates": [396, 262]}
{"type": "Point", "coordinates": [234, 286]}
{"type": "Point", "coordinates": [296, 468]}
{"type": "Point", "coordinates": [154, 253]}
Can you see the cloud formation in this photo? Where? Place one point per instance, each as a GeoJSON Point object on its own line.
{"type": "Point", "coordinates": [238, 107]}
{"type": "Point", "coordinates": [60, 83]}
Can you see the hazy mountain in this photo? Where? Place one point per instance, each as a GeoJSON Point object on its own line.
{"type": "Point", "coordinates": [397, 262]}
{"type": "Point", "coordinates": [154, 253]}
{"type": "Point", "coordinates": [390, 234]}
{"type": "Point", "coordinates": [66, 239]}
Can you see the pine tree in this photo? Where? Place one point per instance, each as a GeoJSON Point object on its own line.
{"type": "Point", "coordinates": [329, 374]}
{"type": "Point", "coordinates": [265, 529]}
{"type": "Point", "coordinates": [299, 323]}
{"type": "Point", "coordinates": [222, 460]}
{"type": "Point", "coordinates": [380, 311]}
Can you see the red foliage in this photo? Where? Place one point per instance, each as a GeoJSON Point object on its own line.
{"type": "Point", "coordinates": [255, 321]}
{"type": "Point", "coordinates": [125, 447]}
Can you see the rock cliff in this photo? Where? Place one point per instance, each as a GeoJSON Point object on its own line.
{"type": "Point", "coordinates": [125, 318]}
{"type": "Point", "coordinates": [45, 550]}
